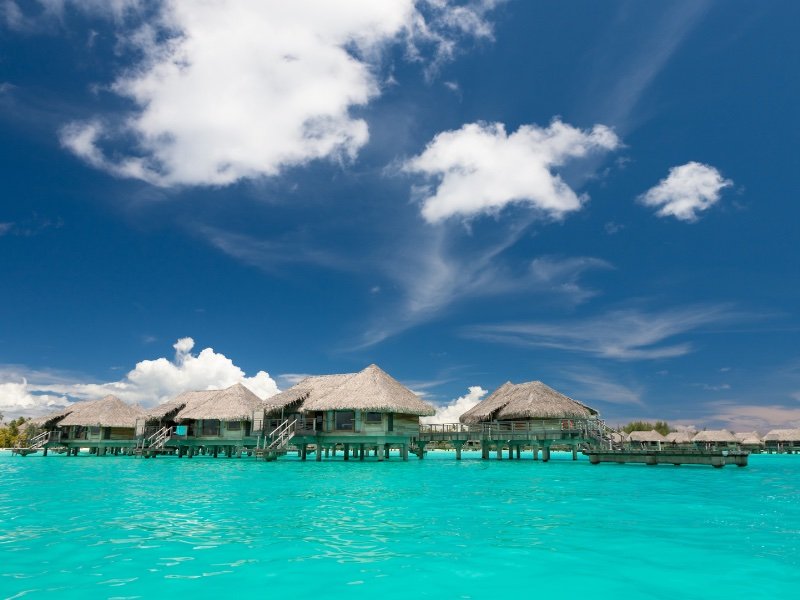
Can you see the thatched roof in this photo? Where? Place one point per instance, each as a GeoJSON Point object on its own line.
{"type": "Point", "coordinates": [181, 401]}
{"type": "Point", "coordinates": [783, 435]}
{"type": "Point", "coordinates": [748, 437]}
{"type": "Point", "coordinates": [679, 437]}
{"type": "Point", "coordinates": [231, 404]}
{"type": "Point", "coordinates": [371, 390]}
{"type": "Point", "coordinates": [109, 411]}
{"type": "Point", "coordinates": [307, 389]}
{"type": "Point", "coordinates": [716, 435]}
{"type": "Point", "coordinates": [531, 400]}
{"type": "Point", "coordinates": [646, 436]}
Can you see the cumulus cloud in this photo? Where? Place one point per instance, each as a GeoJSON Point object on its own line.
{"type": "Point", "coordinates": [148, 384]}
{"type": "Point", "coordinates": [450, 412]}
{"type": "Point", "coordinates": [17, 398]}
{"type": "Point", "coordinates": [480, 169]}
{"type": "Point", "coordinates": [228, 90]}
{"type": "Point", "coordinates": [687, 190]}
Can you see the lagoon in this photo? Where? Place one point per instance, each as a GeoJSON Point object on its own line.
{"type": "Point", "coordinates": [124, 527]}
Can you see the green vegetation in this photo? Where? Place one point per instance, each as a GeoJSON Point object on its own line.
{"type": "Point", "coordinates": [12, 433]}
{"type": "Point", "coordinates": [661, 427]}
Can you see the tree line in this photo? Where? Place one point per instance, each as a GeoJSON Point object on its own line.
{"type": "Point", "coordinates": [13, 433]}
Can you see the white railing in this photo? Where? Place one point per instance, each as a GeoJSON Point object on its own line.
{"type": "Point", "coordinates": [158, 439]}
{"type": "Point", "coordinates": [281, 435]}
{"type": "Point", "coordinates": [39, 441]}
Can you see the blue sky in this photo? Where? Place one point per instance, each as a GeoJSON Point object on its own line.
{"type": "Point", "coordinates": [596, 195]}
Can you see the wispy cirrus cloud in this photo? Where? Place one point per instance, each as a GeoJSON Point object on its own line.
{"type": "Point", "coordinates": [590, 384]}
{"type": "Point", "coordinates": [625, 334]}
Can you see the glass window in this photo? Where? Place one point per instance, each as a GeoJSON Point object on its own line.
{"type": "Point", "coordinates": [233, 425]}
{"type": "Point", "coordinates": [374, 417]}
{"type": "Point", "coordinates": [211, 427]}
{"type": "Point", "coordinates": [344, 420]}
{"type": "Point", "coordinates": [94, 431]}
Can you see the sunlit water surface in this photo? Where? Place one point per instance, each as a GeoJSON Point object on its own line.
{"type": "Point", "coordinates": [106, 527]}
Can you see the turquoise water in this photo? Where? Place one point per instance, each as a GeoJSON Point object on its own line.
{"type": "Point", "coordinates": [106, 527]}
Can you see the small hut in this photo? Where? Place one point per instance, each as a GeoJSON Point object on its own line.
{"type": "Point", "coordinates": [646, 440]}
{"type": "Point", "coordinates": [750, 440]}
{"type": "Point", "coordinates": [534, 415]}
{"type": "Point", "coordinates": [782, 440]}
{"type": "Point", "coordinates": [526, 402]}
{"type": "Point", "coordinates": [713, 439]}
{"type": "Point", "coordinates": [100, 425]}
{"type": "Point", "coordinates": [680, 438]}
{"type": "Point", "coordinates": [363, 411]}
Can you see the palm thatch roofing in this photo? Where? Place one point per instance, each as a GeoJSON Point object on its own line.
{"type": "Point", "coordinates": [371, 389]}
{"type": "Point", "coordinates": [235, 403]}
{"type": "Point", "coordinates": [646, 436]}
{"type": "Point", "coordinates": [109, 411]}
{"type": "Point", "coordinates": [783, 435]}
{"type": "Point", "coordinates": [679, 437]}
{"type": "Point", "coordinates": [308, 388]}
{"type": "Point", "coordinates": [531, 400]}
{"type": "Point", "coordinates": [748, 437]}
{"type": "Point", "coordinates": [170, 408]}
{"type": "Point", "coordinates": [716, 435]}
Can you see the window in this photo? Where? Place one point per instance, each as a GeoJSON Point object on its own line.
{"type": "Point", "coordinates": [211, 427]}
{"type": "Point", "coordinates": [374, 417]}
{"type": "Point", "coordinates": [233, 425]}
{"type": "Point", "coordinates": [94, 431]}
{"type": "Point", "coordinates": [344, 420]}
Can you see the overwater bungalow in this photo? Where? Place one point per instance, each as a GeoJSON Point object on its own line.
{"type": "Point", "coordinates": [716, 439]}
{"type": "Point", "coordinates": [533, 415]}
{"type": "Point", "coordinates": [207, 421]}
{"type": "Point", "coordinates": [680, 439]}
{"type": "Point", "coordinates": [646, 440]}
{"type": "Point", "coordinates": [104, 425]}
{"type": "Point", "coordinates": [750, 440]}
{"type": "Point", "coordinates": [783, 440]}
{"type": "Point", "coordinates": [357, 412]}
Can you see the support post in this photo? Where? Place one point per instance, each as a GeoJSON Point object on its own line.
{"type": "Point", "coordinates": [404, 451]}
{"type": "Point", "coordinates": [545, 453]}
{"type": "Point", "coordinates": [328, 452]}
{"type": "Point", "coordinates": [361, 452]}
{"type": "Point", "coordinates": [216, 451]}
{"type": "Point", "coordinates": [347, 451]}
{"type": "Point", "coordinates": [458, 446]}
{"type": "Point", "coordinates": [499, 451]}
{"type": "Point", "coordinates": [574, 453]}
{"type": "Point", "coordinates": [519, 452]}
{"type": "Point", "coordinates": [190, 452]}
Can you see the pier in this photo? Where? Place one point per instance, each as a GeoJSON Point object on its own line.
{"type": "Point", "coordinates": [677, 457]}
{"type": "Point", "coordinates": [497, 436]}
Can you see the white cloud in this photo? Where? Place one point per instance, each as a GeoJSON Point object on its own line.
{"type": "Point", "coordinates": [148, 384]}
{"type": "Point", "coordinates": [16, 398]}
{"type": "Point", "coordinates": [628, 334]}
{"type": "Point", "coordinates": [450, 412]}
{"type": "Point", "coordinates": [230, 90]}
{"type": "Point", "coordinates": [480, 169]}
{"type": "Point", "coordinates": [687, 190]}
{"type": "Point", "coordinates": [747, 417]}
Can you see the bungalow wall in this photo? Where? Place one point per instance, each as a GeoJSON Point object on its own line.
{"type": "Point", "coordinates": [217, 430]}
{"type": "Point", "coordinates": [369, 423]}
